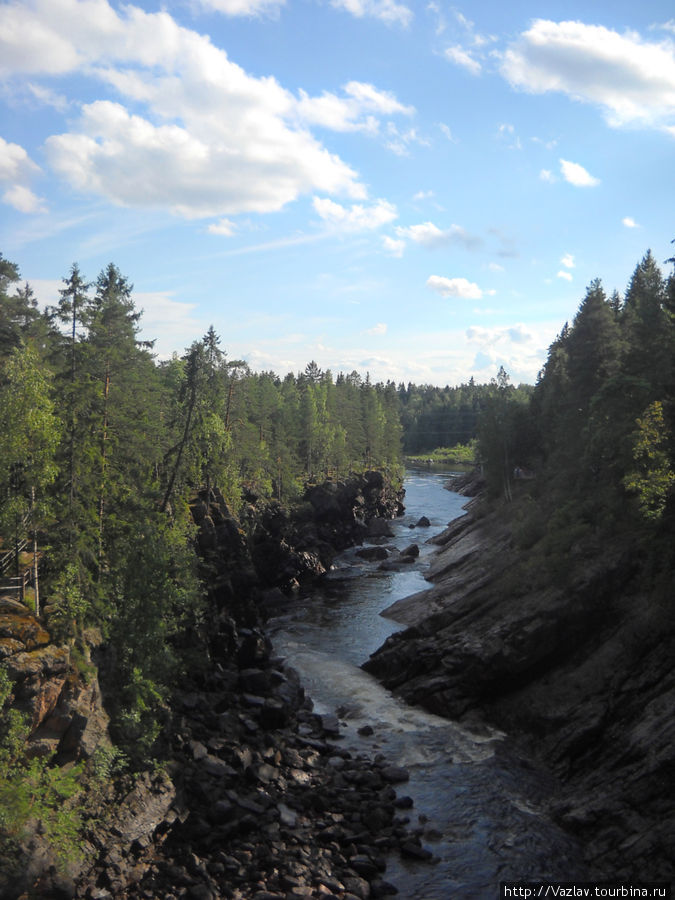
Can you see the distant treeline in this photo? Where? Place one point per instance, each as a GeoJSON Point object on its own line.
{"type": "Point", "coordinates": [434, 417]}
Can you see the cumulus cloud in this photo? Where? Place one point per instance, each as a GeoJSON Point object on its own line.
{"type": "Point", "coordinates": [378, 329]}
{"type": "Point", "coordinates": [16, 168]}
{"type": "Point", "coordinates": [356, 111]}
{"type": "Point", "coordinates": [567, 276]}
{"type": "Point", "coordinates": [463, 58]}
{"type": "Point", "coordinates": [224, 227]}
{"type": "Point", "coordinates": [577, 175]}
{"type": "Point", "coordinates": [394, 246]}
{"type": "Point", "coordinates": [568, 261]}
{"type": "Point", "coordinates": [357, 217]}
{"type": "Point", "coordinates": [192, 132]}
{"type": "Point", "coordinates": [388, 11]}
{"type": "Point", "coordinates": [630, 79]}
{"type": "Point", "coordinates": [23, 199]}
{"type": "Point", "coordinates": [454, 287]}
{"type": "Point", "coordinates": [628, 222]}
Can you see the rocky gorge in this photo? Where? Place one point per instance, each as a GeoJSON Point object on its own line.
{"type": "Point", "coordinates": [255, 797]}
{"type": "Point", "coordinates": [578, 671]}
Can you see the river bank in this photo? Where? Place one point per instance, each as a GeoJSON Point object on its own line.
{"type": "Point", "coordinates": [480, 803]}
{"type": "Point", "coordinates": [579, 673]}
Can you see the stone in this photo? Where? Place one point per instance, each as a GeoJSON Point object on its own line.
{"type": "Point", "coordinates": [216, 767]}
{"type": "Point", "coordinates": [395, 774]}
{"type": "Point", "coordinates": [372, 553]}
{"type": "Point", "coordinates": [422, 522]}
{"type": "Point", "coordinates": [410, 850]}
{"type": "Point", "coordinates": [380, 528]}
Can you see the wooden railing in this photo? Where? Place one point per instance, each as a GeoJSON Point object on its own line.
{"type": "Point", "coordinates": [17, 584]}
{"type": "Point", "coordinates": [8, 556]}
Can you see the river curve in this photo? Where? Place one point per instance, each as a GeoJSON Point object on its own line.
{"type": "Point", "coordinates": [479, 805]}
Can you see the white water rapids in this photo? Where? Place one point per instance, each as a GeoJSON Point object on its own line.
{"type": "Point", "coordinates": [481, 807]}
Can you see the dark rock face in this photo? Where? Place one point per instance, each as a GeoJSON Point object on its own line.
{"type": "Point", "coordinates": [582, 673]}
{"type": "Point", "coordinates": [289, 546]}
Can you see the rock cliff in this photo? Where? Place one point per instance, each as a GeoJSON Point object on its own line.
{"type": "Point", "coordinates": [256, 798]}
{"type": "Point", "coordinates": [580, 670]}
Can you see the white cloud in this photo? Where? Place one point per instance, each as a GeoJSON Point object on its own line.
{"type": "Point", "coordinates": [356, 111]}
{"type": "Point", "coordinates": [399, 141]}
{"type": "Point", "coordinates": [15, 163]}
{"type": "Point", "coordinates": [387, 11]}
{"type": "Point", "coordinates": [520, 334]}
{"type": "Point", "coordinates": [567, 276]}
{"type": "Point", "coordinates": [244, 7]}
{"type": "Point", "coordinates": [547, 175]}
{"type": "Point", "coordinates": [577, 175]}
{"type": "Point", "coordinates": [378, 329]}
{"type": "Point", "coordinates": [16, 167]}
{"type": "Point", "coordinates": [23, 199]}
{"type": "Point", "coordinates": [463, 58]}
{"type": "Point", "coordinates": [429, 235]}
{"type": "Point", "coordinates": [423, 195]}
{"type": "Point", "coordinates": [205, 139]}
{"type": "Point", "coordinates": [224, 227]}
{"type": "Point", "coordinates": [47, 97]}
{"type": "Point", "coordinates": [495, 267]}
{"type": "Point", "coordinates": [568, 261]}
{"type": "Point", "coordinates": [356, 218]}
{"type": "Point", "coordinates": [454, 287]}
{"type": "Point", "coordinates": [629, 223]}
{"type": "Point", "coordinates": [446, 131]}
{"type": "Point", "coordinates": [630, 79]}
{"type": "Point", "coordinates": [169, 322]}
{"type": "Point", "coordinates": [395, 247]}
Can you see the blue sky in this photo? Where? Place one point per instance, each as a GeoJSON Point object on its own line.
{"type": "Point", "coordinates": [421, 191]}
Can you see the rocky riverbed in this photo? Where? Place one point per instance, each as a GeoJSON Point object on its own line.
{"type": "Point", "coordinates": [580, 673]}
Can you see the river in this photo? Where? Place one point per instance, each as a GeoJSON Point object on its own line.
{"type": "Point", "coordinates": [480, 805]}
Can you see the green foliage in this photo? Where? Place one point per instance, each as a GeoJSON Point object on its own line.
{"type": "Point", "coordinates": [68, 605]}
{"type": "Point", "coordinates": [459, 454]}
{"type": "Point", "coordinates": [33, 792]}
{"type": "Point", "coordinates": [654, 476]}
{"type": "Point", "coordinates": [137, 722]}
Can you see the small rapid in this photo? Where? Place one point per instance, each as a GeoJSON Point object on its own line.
{"type": "Point", "coordinates": [479, 806]}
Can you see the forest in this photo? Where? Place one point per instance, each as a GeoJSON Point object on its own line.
{"type": "Point", "coordinates": [596, 440]}
{"type": "Point", "coordinates": [102, 448]}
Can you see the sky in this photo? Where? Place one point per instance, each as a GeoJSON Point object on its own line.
{"type": "Point", "coordinates": [418, 191]}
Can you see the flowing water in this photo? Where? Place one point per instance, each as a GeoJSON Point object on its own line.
{"type": "Point", "coordinates": [480, 805]}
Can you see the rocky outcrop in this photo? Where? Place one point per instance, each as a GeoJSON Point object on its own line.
{"type": "Point", "coordinates": [262, 802]}
{"type": "Point", "coordinates": [65, 712]}
{"type": "Point", "coordinates": [580, 671]}
{"type": "Point", "coordinates": [257, 799]}
{"type": "Point", "coordinates": [289, 545]}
